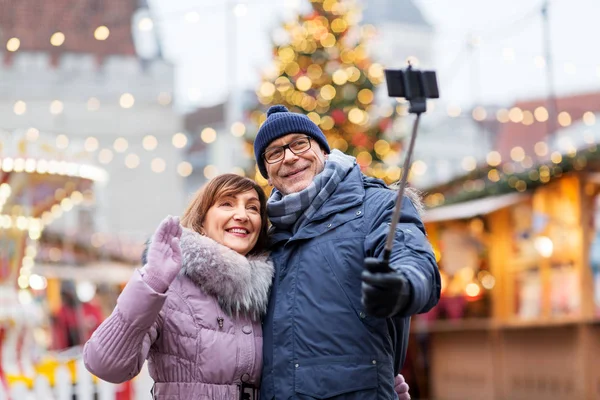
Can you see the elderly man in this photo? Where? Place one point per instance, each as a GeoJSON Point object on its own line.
{"type": "Point", "coordinates": [334, 330]}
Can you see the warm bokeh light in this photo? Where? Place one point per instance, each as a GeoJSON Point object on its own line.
{"type": "Point", "coordinates": [541, 149]}
{"type": "Point", "coordinates": [184, 169]}
{"type": "Point", "coordinates": [105, 156]}
{"type": "Point", "coordinates": [564, 119]}
{"type": "Point", "coordinates": [208, 135]}
{"type": "Point", "coordinates": [541, 114]}
{"type": "Point", "coordinates": [517, 154]}
{"type": "Point", "coordinates": [20, 107]}
{"type": "Point", "coordinates": [158, 165]}
{"type": "Point", "coordinates": [589, 118]}
{"type": "Point", "coordinates": [101, 33]}
{"type": "Point", "coordinates": [479, 114]}
{"type": "Point", "coordinates": [56, 107]}
{"type": "Point", "coordinates": [494, 158]}
{"type": "Point", "coordinates": [149, 142]}
{"type": "Point", "coordinates": [120, 145]}
{"type": "Point", "coordinates": [132, 161]}
{"type": "Point", "coordinates": [57, 39]}
{"type": "Point", "coordinates": [238, 129]}
{"type": "Point", "coordinates": [179, 140]}
{"type": "Point", "coordinates": [62, 141]}
{"type": "Point", "coordinates": [13, 44]}
{"type": "Point", "coordinates": [126, 100]}
{"type": "Point", "coordinates": [469, 163]}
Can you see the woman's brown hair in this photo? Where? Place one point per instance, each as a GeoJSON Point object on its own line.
{"type": "Point", "coordinates": [220, 186]}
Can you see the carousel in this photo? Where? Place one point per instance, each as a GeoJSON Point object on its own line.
{"type": "Point", "coordinates": [38, 184]}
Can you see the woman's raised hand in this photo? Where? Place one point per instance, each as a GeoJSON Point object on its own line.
{"type": "Point", "coordinates": [164, 255]}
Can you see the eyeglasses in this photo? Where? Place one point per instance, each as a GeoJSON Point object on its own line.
{"type": "Point", "coordinates": [276, 154]}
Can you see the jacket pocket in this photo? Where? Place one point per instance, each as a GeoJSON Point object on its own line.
{"type": "Point", "coordinates": [324, 381]}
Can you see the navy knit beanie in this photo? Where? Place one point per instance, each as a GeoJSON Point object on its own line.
{"type": "Point", "coordinates": [281, 122]}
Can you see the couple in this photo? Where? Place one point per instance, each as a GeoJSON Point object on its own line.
{"type": "Point", "coordinates": [217, 317]}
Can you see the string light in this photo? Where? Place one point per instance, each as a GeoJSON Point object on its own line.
{"type": "Point", "coordinates": [179, 140]}
{"type": "Point", "coordinates": [56, 107]}
{"type": "Point", "coordinates": [105, 156]}
{"type": "Point", "coordinates": [126, 100]}
{"type": "Point", "coordinates": [419, 168]}
{"type": "Point", "coordinates": [120, 145]}
{"type": "Point", "coordinates": [564, 119]}
{"type": "Point", "coordinates": [589, 118]}
{"type": "Point", "coordinates": [158, 165]}
{"type": "Point", "coordinates": [20, 107]}
{"type": "Point", "coordinates": [210, 171]}
{"type": "Point", "coordinates": [479, 113]}
{"type": "Point", "coordinates": [238, 129]}
{"type": "Point", "coordinates": [454, 110]}
{"type": "Point", "coordinates": [502, 115]}
{"type": "Point", "coordinates": [469, 163]}
{"type": "Point", "coordinates": [515, 115]}
{"type": "Point", "coordinates": [32, 134]}
{"type": "Point", "coordinates": [57, 39]}
{"type": "Point", "coordinates": [62, 141]}
{"type": "Point", "coordinates": [91, 144]}
{"type": "Point", "coordinates": [517, 154]}
{"type": "Point", "coordinates": [541, 114]}
{"type": "Point", "coordinates": [101, 33]}
{"type": "Point", "coordinates": [13, 44]}
{"type": "Point", "coordinates": [132, 161]}
{"type": "Point", "coordinates": [208, 135]}
{"type": "Point", "coordinates": [184, 169]}
{"type": "Point", "coordinates": [494, 158]}
{"type": "Point", "coordinates": [303, 83]}
{"type": "Point", "coordinates": [149, 142]}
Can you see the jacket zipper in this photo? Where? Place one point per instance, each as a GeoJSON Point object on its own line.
{"type": "Point", "coordinates": [220, 319]}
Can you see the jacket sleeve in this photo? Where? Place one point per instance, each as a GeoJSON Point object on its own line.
{"type": "Point", "coordinates": [118, 348]}
{"type": "Point", "coordinates": [412, 254]}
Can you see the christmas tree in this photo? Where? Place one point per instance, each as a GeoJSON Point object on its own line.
{"type": "Point", "coordinates": [322, 69]}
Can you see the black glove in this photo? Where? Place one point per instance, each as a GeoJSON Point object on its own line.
{"type": "Point", "coordinates": [385, 292]}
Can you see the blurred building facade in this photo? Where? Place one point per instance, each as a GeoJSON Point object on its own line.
{"type": "Point", "coordinates": [444, 146]}
{"type": "Point", "coordinates": [95, 93]}
{"type": "Point", "coordinates": [402, 33]}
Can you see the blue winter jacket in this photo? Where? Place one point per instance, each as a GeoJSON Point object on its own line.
{"type": "Point", "coordinates": [318, 341]}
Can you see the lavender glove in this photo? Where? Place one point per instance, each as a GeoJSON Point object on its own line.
{"type": "Point", "coordinates": [401, 388]}
{"type": "Point", "coordinates": [164, 255]}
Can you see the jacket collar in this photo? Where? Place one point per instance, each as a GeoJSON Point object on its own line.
{"type": "Point", "coordinates": [240, 284]}
{"type": "Point", "coordinates": [349, 194]}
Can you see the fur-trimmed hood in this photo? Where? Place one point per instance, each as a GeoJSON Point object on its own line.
{"type": "Point", "coordinates": [413, 194]}
{"type": "Point", "coordinates": [240, 284]}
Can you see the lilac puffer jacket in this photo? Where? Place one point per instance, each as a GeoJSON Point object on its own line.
{"type": "Point", "coordinates": [202, 338]}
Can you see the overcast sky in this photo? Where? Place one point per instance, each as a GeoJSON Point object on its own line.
{"type": "Point", "coordinates": [199, 39]}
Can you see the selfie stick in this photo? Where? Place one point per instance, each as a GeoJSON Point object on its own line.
{"type": "Point", "coordinates": [416, 87]}
{"type": "Point", "coordinates": [398, 208]}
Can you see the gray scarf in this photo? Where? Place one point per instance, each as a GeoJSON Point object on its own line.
{"type": "Point", "coordinates": [291, 212]}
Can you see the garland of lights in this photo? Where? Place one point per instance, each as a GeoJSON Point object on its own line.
{"type": "Point", "coordinates": [493, 181]}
